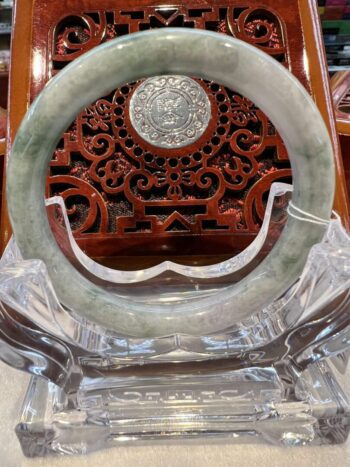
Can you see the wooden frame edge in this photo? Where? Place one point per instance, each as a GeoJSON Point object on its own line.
{"type": "Point", "coordinates": [19, 91]}
{"type": "Point", "coordinates": [319, 78]}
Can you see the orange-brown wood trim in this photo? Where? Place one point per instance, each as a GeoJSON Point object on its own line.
{"type": "Point", "coordinates": [343, 127]}
{"type": "Point", "coordinates": [2, 146]}
{"type": "Point", "coordinates": [340, 82]}
{"type": "Point", "coordinates": [19, 90]}
{"type": "Point", "coordinates": [340, 85]}
{"type": "Point", "coordinates": [319, 78]}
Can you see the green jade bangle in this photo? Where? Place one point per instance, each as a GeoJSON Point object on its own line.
{"type": "Point", "coordinates": [195, 53]}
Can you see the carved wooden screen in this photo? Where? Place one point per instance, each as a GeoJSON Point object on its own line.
{"type": "Point", "coordinates": [125, 196]}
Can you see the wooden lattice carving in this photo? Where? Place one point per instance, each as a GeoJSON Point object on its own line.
{"type": "Point", "coordinates": [118, 186]}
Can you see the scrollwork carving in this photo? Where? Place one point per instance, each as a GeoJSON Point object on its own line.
{"type": "Point", "coordinates": [260, 27]}
{"type": "Point", "coordinates": [116, 183]}
{"type": "Point", "coordinates": [85, 205]}
{"type": "Point", "coordinates": [76, 34]}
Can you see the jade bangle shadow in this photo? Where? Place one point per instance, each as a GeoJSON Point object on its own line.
{"type": "Point", "coordinates": [202, 54]}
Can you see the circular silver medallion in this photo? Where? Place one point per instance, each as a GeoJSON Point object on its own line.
{"type": "Point", "coordinates": [170, 111]}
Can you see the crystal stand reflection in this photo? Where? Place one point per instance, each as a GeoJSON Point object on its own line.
{"type": "Point", "coordinates": [278, 378]}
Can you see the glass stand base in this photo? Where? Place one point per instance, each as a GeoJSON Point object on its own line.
{"type": "Point", "coordinates": [246, 405]}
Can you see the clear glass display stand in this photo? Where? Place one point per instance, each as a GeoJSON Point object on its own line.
{"type": "Point", "coordinates": [279, 376]}
{"type": "Point", "coordinates": [246, 405]}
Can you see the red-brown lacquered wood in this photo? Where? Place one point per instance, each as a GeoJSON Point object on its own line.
{"type": "Point", "coordinates": [340, 84]}
{"type": "Point", "coordinates": [316, 64]}
{"type": "Point", "coordinates": [18, 99]}
{"type": "Point", "coordinates": [3, 123]}
{"type": "Point", "coordinates": [100, 158]}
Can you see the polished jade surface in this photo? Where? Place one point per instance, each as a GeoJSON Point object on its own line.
{"type": "Point", "coordinates": [203, 54]}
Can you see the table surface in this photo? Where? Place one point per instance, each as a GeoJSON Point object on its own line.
{"type": "Point", "coordinates": [14, 384]}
